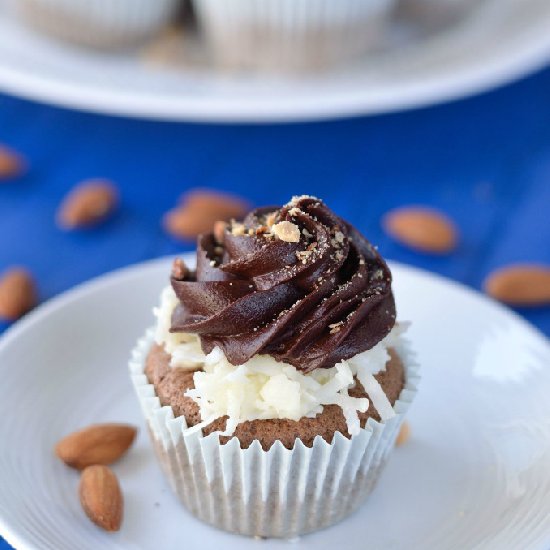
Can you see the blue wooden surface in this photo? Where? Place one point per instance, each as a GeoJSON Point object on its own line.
{"type": "Point", "coordinates": [484, 160]}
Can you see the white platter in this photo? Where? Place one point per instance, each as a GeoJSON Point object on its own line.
{"type": "Point", "coordinates": [499, 41]}
{"type": "Point", "coordinates": [474, 474]}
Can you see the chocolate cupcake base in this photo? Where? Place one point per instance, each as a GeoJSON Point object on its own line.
{"type": "Point", "coordinates": [171, 384]}
{"type": "Point", "coordinates": [309, 502]}
{"type": "Point", "coordinates": [280, 492]}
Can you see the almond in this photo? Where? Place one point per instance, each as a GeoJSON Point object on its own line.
{"type": "Point", "coordinates": [89, 203]}
{"type": "Point", "coordinates": [520, 285]}
{"type": "Point", "coordinates": [17, 293]}
{"type": "Point", "coordinates": [184, 224]}
{"type": "Point", "coordinates": [12, 164]}
{"type": "Point", "coordinates": [205, 200]}
{"type": "Point", "coordinates": [199, 211]}
{"type": "Point", "coordinates": [101, 497]}
{"type": "Point", "coordinates": [422, 229]}
{"type": "Point", "coordinates": [403, 435]}
{"type": "Point", "coordinates": [96, 444]}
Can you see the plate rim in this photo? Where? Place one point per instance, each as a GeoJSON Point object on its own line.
{"type": "Point", "coordinates": [73, 294]}
{"type": "Point", "coordinates": [534, 54]}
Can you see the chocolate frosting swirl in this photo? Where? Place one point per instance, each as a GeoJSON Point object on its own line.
{"type": "Point", "coordinates": [310, 303]}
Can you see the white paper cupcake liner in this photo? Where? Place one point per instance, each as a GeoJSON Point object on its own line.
{"type": "Point", "coordinates": [290, 34]}
{"type": "Point", "coordinates": [434, 13]}
{"type": "Point", "coordinates": [276, 493]}
{"type": "Point", "coordinates": [97, 23]}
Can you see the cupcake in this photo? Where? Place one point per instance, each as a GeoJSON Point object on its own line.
{"type": "Point", "coordinates": [435, 14]}
{"type": "Point", "coordinates": [290, 34]}
{"type": "Point", "coordinates": [98, 23]}
{"type": "Point", "coordinates": [276, 378]}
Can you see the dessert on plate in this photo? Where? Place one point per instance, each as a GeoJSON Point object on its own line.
{"type": "Point", "coordinates": [104, 24]}
{"type": "Point", "coordinates": [291, 35]}
{"type": "Point", "coordinates": [276, 378]}
{"type": "Point", "coordinates": [436, 14]}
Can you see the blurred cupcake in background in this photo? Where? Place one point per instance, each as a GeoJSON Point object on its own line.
{"type": "Point", "coordinates": [106, 24]}
{"type": "Point", "coordinates": [435, 13]}
{"type": "Point", "coordinates": [291, 34]}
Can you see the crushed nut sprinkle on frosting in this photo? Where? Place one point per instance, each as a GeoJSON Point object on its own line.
{"type": "Point", "coordinates": [270, 219]}
{"type": "Point", "coordinates": [339, 236]}
{"type": "Point", "coordinates": [335, 327]}
{"type": "Point", "coordinates": [302, 277]}
{"type": "Point", "coordinates": [237, 229]}
{"type": "Point", "coordinates": [303, 255]}
{"type": "Point", "coordinates": [295, 211]}
{"type": "Point", "coordinates": [286, 231]}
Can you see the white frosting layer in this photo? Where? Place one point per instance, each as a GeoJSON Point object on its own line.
{"type": "Point", "coordinates": [265, 388]}
{"type": "Point", "coordinates": [185, 349]}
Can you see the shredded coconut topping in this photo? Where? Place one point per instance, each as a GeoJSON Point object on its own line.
{"type": "Point", "coordinates": [264, 388]}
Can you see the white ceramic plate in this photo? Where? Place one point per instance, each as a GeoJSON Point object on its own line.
{"type": "Point", "coordinates": [500, 40]}
{"type": "Point", "coordinates": [475, 473]}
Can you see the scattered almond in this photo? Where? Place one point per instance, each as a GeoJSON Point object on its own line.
{"type": "Point", "coordinates": [423, 229]}
{"type": "Point", "coordinates": [17, 293]}
{"type": "Point", "coordinates": [89, 203]}
{"type": "Point", "coordinates": [520, 285]}
{"type": "Point", "coordinates": [199, 211]}
{"type": "Point", "coordinates": [101, 497]}
{"type": "Point", "coordinates": [404, 434]}
{"type": "Point", "coordinates": [204, 200]}
{"type": "Point", "coordinates": [96, 444]}
{"type": "Point", "coordinates": [184, 224]}
{"type": "Point", "coordinates": [12, 164]}
{"type": "Point", "coordinates": [286, 231]}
